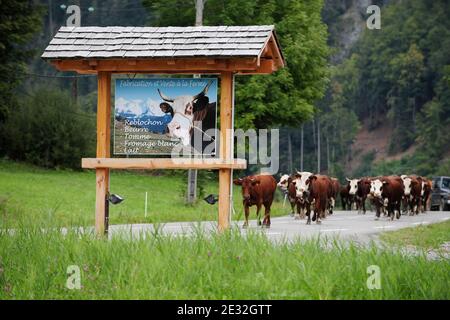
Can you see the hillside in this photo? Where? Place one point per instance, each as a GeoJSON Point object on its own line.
{"type": "Point", "coordinates": [389, 97]}
{"type": "Point", "coordinates": [373, 145]}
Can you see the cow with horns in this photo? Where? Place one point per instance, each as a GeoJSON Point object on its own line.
{"type": "Point", "coordinates": [186, 111]}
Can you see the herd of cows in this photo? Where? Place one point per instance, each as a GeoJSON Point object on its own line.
{"type": "Point", "coordinates": [308, 192]}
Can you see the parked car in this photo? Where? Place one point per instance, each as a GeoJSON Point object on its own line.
{"type": "Point", "coordinates": [440, 195]}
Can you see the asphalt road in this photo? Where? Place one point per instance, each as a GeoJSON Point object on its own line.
{"type": "Point", "coordinates": [347, 225]}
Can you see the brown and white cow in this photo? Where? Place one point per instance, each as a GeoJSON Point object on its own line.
{"type": "Point", "coordinates": [257, 190]}
{"type": "Point", "coordinates": [301, 186]}
{"type": "Point", "coordinates": [317, 190]}
{"type": "Point", "coordinates": [285, 185]}
{"type": "Point", "coordinates": [412, 193]}
{"type": "Point", "coordinates": [427, 186]}
{"type": "Point", "coordinates": [387, 192]}
{"type": "Point", "coordinates": [352, 187]}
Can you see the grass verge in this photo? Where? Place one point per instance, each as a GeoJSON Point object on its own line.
{"type": "Point", "coordinates": [424, 236]}
{"type": "Point", "coordinates": [34, 264]}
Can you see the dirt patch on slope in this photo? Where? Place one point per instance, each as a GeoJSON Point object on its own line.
{"type": "Point", "coordinates": [373, 141]}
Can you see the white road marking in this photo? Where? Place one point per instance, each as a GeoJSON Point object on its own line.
{"type": "Point", "coordinates": [384, 227]}
{"type": "Point", "coordinates": [418, 223]}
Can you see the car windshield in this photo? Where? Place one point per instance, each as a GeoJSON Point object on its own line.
{"type": "Point", "coordinates": [446, 183]}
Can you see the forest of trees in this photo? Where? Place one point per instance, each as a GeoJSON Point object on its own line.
{"type": "Point", "coordinates": [399, 74]}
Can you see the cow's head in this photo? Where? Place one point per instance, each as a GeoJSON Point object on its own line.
{"type": "Point", "coordinates": [301, 183]}
{"type": "Point", "coordinates": [407, 184]}
{"type": "Point", "coordinates": [284, 182]}
{"type": "Point", "coordinates": [353, 186]}
{"type": "Point", "coordinates": [178, 131]}
{"type": "Point", "coordinates": [247, 184]}
{"type": "Point", "coordinates": [180, 127]}
{"type": "Point", "coordinates": [376, 187]}
{"type": "Point", "coordinates": [185, 104]}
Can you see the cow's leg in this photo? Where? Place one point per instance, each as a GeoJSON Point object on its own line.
{"type": "Point", "coordinates": [246, 212]}
{"type": "Point", "coordinates": [317, 215]}
{"type": "Point", "coordinates": [420, 204]}
{"type": "Point", "coordinates": [391, 210]}
{"type": "Point", "coordinates": [302, 210]}
{"type": "Point", "coordinates": [266, 221]}
{"type": "Point", "coordinates": [293, 205]}
{"type": "Point", "coordinates": [405, 205]}
{"type": "Point", "coordinates": [416, 205]}
{"type": "Point", "coordinates": [308, 214]}
{"type": "Point", "coordinates": [411, 206]}
{"type": "Point", "coordinates": [317, 211]}
{"type": "Point", "coordinates": [298, 210]}
{"type": "Point", "coordinates": [363, 202]}
{"type": "Point", "coordinates": [258, 209]}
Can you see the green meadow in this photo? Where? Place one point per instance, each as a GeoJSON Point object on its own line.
{"type": "Point", "coordinates": [68, 197]}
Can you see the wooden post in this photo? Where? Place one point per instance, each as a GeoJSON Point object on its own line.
{"type": "Point", "coordinates": [103, 150]}
{"type": "Point", "coordinates": [226, 126]}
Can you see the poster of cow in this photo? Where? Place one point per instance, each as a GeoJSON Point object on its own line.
{"type": "Point", "coordinates": [157, 115]}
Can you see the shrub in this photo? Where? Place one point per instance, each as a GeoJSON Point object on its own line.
{"type": "Point", "coordinates": [49, 130]}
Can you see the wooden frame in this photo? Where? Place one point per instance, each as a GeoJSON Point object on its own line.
{"type": "Point", "coordinates": [103, 163]}
{"type": "Point", "coordinates": [162, 163]}
{"type": "Point", "coordinates": [169, 66]}
{"type": "Point", "coordinates": [103, 150]}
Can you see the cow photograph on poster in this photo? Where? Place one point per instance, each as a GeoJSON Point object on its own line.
{"type": "Point", "coordinates": [159, 115]}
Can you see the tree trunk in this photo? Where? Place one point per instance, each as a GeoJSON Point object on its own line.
{"type": "Point", "coordinates": [301, 151]}
{"type": "Point", "coordinates": [318, 145]}
{"type": "Point", "coordinates": [328, 156]}
{"type": "Point", "coordinates": [289, 153]}
{"type": "Point", "coordinates": [199, 5]}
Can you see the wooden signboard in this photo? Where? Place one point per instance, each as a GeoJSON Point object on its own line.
{"type": "Point", "coordinates": [223, 51]}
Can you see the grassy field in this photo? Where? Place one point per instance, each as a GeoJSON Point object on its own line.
{"type": "Point", "coordinates": [33, 265]}
{"type": "Point", "coordinates": [426, 237]}
{"type": "Point", "coordinates": [68, 197]}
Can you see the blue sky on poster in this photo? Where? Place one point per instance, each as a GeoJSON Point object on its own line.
{"type": "Point", "coordinates": [140, 96]}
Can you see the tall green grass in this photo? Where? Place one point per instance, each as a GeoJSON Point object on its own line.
{"type": "Point", "coordinates": [34, 262]}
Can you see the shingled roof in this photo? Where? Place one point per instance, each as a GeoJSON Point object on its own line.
{"type": "Point", "coordinates": [159, 42]}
